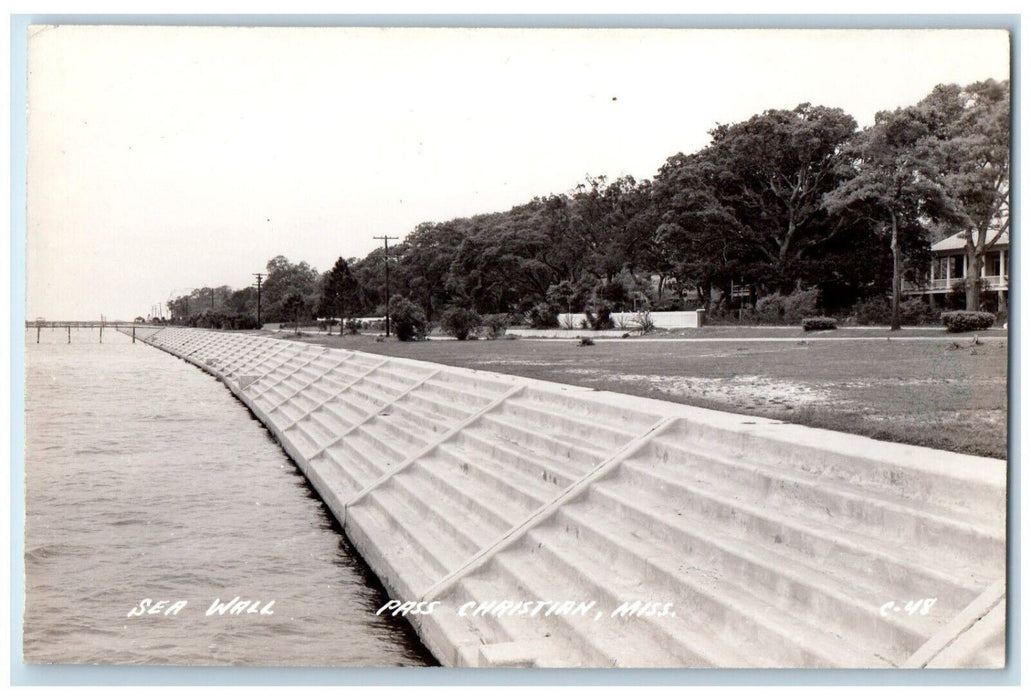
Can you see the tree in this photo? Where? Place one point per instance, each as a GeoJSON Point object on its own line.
{"type": "Point", "coordinates": [700, 235]}
{"type": "Point", "coordinates": [286, 278]}
{"type": "Point", "coordinates": [459, 322]}
{"type": "Point", "coordinates": [896, 186]}
{"type": "Point", "coordinates": [973, 129]}
{"type": "Point", "coordinates": [772, 173]}
{"type": "Point", "coordinates": [409, 320]}
{"type": "Point", "coordinates": [339, 292]}
{"type": "Point", "coordinates": [295, 306]}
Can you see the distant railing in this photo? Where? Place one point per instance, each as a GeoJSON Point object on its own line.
{"type": "Point", "coordinates": [84, 324]}
{"type": "Point", "coordinates": [992, 283]}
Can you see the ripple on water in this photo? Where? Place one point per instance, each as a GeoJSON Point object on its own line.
{"type": "Point", "coordinates": [145, 479]}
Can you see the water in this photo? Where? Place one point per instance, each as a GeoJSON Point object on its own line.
{"type": "Point", "coordinates": [146, 478]}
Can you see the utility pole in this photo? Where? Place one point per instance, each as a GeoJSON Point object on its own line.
{"type": "Point", "coordinates": [260, 277]}
{"type": "Point", "coordinates": [386, 274]}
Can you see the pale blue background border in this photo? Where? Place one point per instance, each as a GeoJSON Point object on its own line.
{"type": "Point", "coordinates": [22, 674]}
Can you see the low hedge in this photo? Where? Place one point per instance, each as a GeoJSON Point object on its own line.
{"type": "Point", "coordinates": [962, 321]}
{"type": "Point", "coordinates": [819, 323]}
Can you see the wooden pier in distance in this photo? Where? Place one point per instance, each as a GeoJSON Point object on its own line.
{"type": "Point", "coordinates": [101, 325]}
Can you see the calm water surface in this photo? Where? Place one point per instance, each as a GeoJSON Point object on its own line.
{"type": "Point", "coordinates": [146, 478]}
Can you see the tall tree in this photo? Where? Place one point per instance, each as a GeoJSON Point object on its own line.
{"type": "Point", "coordinates": [285, 278]}
{"type": "Point", "coordinates": [973, 127]}
{"type": "Point", "coordinates": [772, 172]}
{"type": "Point", "coordinates": [896, 186]}
{"type": "Point", "coordinates": [699, 234]}
{"type": "Point", "coordinates": [339, 292]}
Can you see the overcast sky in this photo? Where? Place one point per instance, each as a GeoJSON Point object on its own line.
{"type": "Point", "coordinates": [163, 159]}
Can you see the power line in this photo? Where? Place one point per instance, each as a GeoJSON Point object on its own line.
{"type": "Point", "coordinates": [386, 274]}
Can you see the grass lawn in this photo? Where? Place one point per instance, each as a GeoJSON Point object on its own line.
{"type": "Point", "coordinates": [947, 393]}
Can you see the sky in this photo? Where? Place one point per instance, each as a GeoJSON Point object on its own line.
{"type": "Point", "coordinates": [161, 159]}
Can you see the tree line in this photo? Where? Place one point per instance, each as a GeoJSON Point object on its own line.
{"type": "Point", "coordinates": [787, 200]}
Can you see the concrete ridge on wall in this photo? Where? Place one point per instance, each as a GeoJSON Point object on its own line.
{"type": "Point", "coordinates": [742, 541]}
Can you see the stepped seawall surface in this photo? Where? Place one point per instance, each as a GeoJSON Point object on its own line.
{"type": "Point", "coordinates": [744, 542]}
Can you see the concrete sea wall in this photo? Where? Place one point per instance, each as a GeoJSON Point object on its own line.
{"type": "Point", "coordinates": [729, 541]}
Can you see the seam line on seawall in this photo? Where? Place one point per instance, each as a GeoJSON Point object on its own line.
{"type": "Point", "coordinates": [378, 412]}
{"type": "Point", "coordinates": [292, 372]}
{"type": "Point", "coordinates": [548, 509]}
{"type": "Point", "coordinates": [347, 386]}
{"type": "Point", "coordinates": [953, 630]}
{"type": "Point", "coordinates": [433, 445]}
{"type": "Point", "coordinates": [297, 392]}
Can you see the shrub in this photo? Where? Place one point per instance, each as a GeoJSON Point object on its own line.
{"type": "Point", "coordinates": [643, 322]}
{"type": "Point", "coordinates": [602, 322]}
{"type": "Point", "coordinates": [875, 311]}
{"type": "Point", "coordinates": [496, 325]}
{"type": "Point", "coordinates": [915, 311]}
{"type": "Point", "coordinates": [790, 309]}
{"type": "Point", "coordinates": [961, 321]}
{"type": "Point", "coordinates": [542, 315]}
{"type": "Point", "coordinates": [819, 323]}
{"type": "Point", "coordinates": [459, 322]}
{"type": "Point", "coordinates": [408, 319]}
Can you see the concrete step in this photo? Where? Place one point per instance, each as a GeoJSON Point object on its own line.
{"type": "Point", "coordinates": [406, 371]}
{"type": "Point", "coordinates": [457, 532]}
{"type": "Point", "coordinates": [482, 633]}
{"type": "Point", "coordinates": [370, 393]}
{"type": "Point", "coordinates": [354, 472]}
{"type": "Point", "coordinates": [345, 411]}
{"type": "Point", "coordinates": [343, 376]}
{"type": "Point", "coordinates": [475, 497]}
{"type": "Point", "coordinates": [810, 534]}
{"type": "Point", "coordinates": [304, 438]}
{"type": "Point", "coordinates": [506, 429]}
{"type": "Point", "coordinates": [848, 607]}
{"type": "Point", "coordinates": [384, 384]}
{"type": "Point", "coordinates": [390, 429]}
{"type": "Point", "coordinates": [329, 421]}
{"type": "Point", "coordinates": [449, 388]}
{"type": "Point", "coordinates": [422, 399]}
{"type": "Point", "coordinates": [594, 421]}
{"type": "Point", "coordinates": [768, 636]}
{"type": "Point", "coordinates": [547, 633]}
{"type": "Point", "coordinates": [927, 531]}
{"type": "Point", "coordinates": [318, 431]}
{"type": "Point", "coordinates": [393, 528]}
{"type": "Point", "coordinates": [522, 490]}
{"type": "Point", "coordinates": [516, 459]}
{"type": "Point", "coordinates": [428, 423]}
{"type": "Point", "coordinates": [357, 402]}
{"type": "Point", "coordinates": [287, 412]}
{"type": "Point", "coordinates": [622, 642]}
{"type": "Point", "coordinates": [399, 377]}
{"type": "Point", "coordinates": [962, 484]}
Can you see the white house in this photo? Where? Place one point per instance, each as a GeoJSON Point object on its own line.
{"type": "Point", "coordinates": [949, 264]}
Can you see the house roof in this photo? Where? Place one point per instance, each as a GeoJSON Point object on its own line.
{"type": "Point", "coordinates": [958, 242]}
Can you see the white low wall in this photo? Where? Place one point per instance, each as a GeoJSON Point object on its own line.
{"type": "Point", "coordinates": [726, 540]}
{"type": "Point", "coordinates": [630, 319]}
